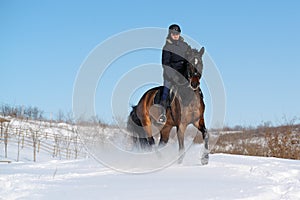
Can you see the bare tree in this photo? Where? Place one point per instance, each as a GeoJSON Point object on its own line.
{"type": "Point", "coordinates": [69, 118]}
{"type": "Point", "coordinates": [60, 116]}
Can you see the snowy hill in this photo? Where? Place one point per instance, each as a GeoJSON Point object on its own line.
{"type": "Point", "coordinates": [63, 177]}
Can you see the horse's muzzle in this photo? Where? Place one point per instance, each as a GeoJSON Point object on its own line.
{"type": "Point", "coordinates": [194, 84]}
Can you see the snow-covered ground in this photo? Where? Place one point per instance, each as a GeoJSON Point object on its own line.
{"type": "Point", "coordinates": [225, 177]}
{"type": "Point", "coordinates": [55, 177]}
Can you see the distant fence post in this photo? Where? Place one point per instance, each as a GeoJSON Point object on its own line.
{"type": "Point", "coordinates": [34, 140]}
{"type": "Point", "coordinates": [2, 120]}
{"type": "Point", "coordinates": [1, 126]}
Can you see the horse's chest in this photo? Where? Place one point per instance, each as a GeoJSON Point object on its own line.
{"type": "Point", "coordinates": [191, 112]}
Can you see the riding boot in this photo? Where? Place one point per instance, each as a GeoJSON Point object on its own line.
{"type": "Point", "coordinates": [163, 102]}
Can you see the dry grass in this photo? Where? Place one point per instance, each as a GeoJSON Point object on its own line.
{"type": "Point", "coordinates": [281, 142]}
{"type": "Point", "coordinates": [284, 142]}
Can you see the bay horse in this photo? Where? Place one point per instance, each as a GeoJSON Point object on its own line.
{"type": "Point", "coordinates": [187, 107]}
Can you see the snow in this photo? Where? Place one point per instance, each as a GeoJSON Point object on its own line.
{"type": "Point", "coordinates": [225, 177]}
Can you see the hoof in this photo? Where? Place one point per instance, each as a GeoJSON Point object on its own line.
{"type": "Point", "coordinates": [204, 159]}
{"type": "Point", "coordinates": [180, 160]}
{"type": "Point", "coordinates": [151, 141]}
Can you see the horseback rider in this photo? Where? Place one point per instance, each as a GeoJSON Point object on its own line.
{"type": "Point", "coordinates": [173, 61]}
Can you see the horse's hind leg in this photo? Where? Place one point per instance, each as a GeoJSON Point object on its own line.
{"type": "Point", "coordinates": [143, 143]}
{"type": "Point", "coordinates": [146, 139]}
{"type": "Point", "coordinates": [139, 141]}
{"type": "Point", "coordinates": [145, 136]}
{"type": "Point", "coordinates": [148, 131]}
{"type": "Point", "coordinates": [139, 137]}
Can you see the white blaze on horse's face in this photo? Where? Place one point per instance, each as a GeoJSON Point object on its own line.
{"type": "Point", "coordinates": [196, 61]}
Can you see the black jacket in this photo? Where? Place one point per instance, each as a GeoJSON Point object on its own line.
{"type": "Point", "coordinates": [173, 55]}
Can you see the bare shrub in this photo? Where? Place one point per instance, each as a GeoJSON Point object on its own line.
{"type": "Point", "coordinates": [284, 142]}
{"type": "Point", "coordinates": [265, 140]}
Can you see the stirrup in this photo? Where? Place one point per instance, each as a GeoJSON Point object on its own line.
{"type": "Point", "coordinates": [162, 119]}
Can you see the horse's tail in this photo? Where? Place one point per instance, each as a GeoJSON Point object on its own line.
{"type": "Point", "coordinates": [134, 126]}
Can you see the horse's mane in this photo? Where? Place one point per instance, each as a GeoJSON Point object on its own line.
{"type": "Point", "coordinates": [192, 51]}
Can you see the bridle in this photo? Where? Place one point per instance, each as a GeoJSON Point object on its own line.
{"type": "Point", "coordinates": [193, 65]}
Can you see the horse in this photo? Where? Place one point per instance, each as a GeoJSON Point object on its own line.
{"type": "Point", "coordinates": [187, 107]}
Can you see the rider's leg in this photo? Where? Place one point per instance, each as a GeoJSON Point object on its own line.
{"type": "Point", "coordinates": [163, 100]}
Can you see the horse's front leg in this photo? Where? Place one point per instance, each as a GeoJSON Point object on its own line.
{"type": "Point", "coordinates": [201, 127]}
{"type": "Point", "coordinates": [180, 135]}
{"type": "Point", "coordinates": [205, 154]}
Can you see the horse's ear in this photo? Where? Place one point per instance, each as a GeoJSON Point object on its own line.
{"type": "Point", "coordinates": [201, 52]}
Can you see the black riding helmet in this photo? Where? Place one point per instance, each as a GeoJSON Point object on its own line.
{"type": "Point", "coordinates": [175, 29]}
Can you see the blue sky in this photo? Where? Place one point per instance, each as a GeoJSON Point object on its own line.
{"type": "Point", "coordinates": [255, 45]}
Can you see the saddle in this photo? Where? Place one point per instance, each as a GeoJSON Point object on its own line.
{"type": "Point", "coordinates": [186, 95]}
{"type": "Point", "coordinates": [171, 96]}
{"type": "Point", "coordinates": [157, 109]}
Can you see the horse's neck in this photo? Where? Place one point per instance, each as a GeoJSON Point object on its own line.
{"type": "Point", "coordinates": [189, 97]}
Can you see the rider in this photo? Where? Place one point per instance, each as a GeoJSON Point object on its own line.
{"type": "Point", "coordinates": [173, 58]}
